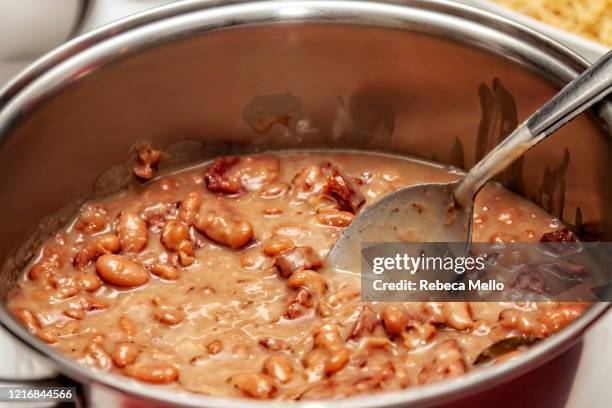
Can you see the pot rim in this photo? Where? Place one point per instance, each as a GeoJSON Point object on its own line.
{"type": "Point", "coordinates": [52, 72]}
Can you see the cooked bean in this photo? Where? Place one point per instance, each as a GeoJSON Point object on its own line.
{"type": "Point", "coordinates": [119, 271]}
{"type": "Point", "coordinates": [303, 257]}
{"type": "Point", "coordinates": [186, 254]}
{"type": "Point", "coordinates": [335, 218]}
{"type": "Point", "coordinates": [124, 354]}
{"type": "Point", "coordinates": [458, 315]}
{"type": "Point", "coordinates": [73, 313]}
{"type": "Point", "coordinates": [189, 207]}
{"type": "Point", "coordinates": [224, 230]}
{"type": "Point", "coordinates": [48, 335]}
{"type": "Point", "coordinates": [164, 271]}
{"type": "Point", "coordinates": [448, 362]}
{"type": "Point", "coordinates": [157, 215]}
{"type": "Point", "coordinates": [132, 231]}
{"type": "Point", "coordinates": [214, 347]}
{"type": "Point", "coordinates": [100, 245]}
{"type": "Point", "coordinates": [394, 320]}
{"type": "Point", "coordinates": [277, 245]}
{"type": "Point", "coordinates": [257, 386]}
{"type": "Point", "coordinates": [148, 157]}
{"type": "Point", "coordinates": [154, 373]}
{"type": "Point", "coordinates": [299, 304]}
{"type": "Point", "coordinates": [127, 325]}
{"type": "Point", "coordinates": [273, 344]}
{"type": "Point", "coordinates": [93, 219]}
{"type": "Point", "coordinates": [279, 367]}
{"type": "Point", "coordinates": [327, 337]}
{"type": "Point", "coordinates": [308, 279]}
{"type": "Point", "coordinates": [169, 316]}
{"type": "Point", "coordinates": [28, 319]}
{"type": "Point", "coordinates": [99, 357]}
{"type": "Point", "coordinates": [337, 361]}
{"type": "Point", "coordinates": [173, 233]}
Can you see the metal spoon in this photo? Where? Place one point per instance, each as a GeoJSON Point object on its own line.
{"type": "Point", "coordinates": [443, 212]}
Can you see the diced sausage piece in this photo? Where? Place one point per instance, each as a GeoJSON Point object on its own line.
{"type": "Point", "coordinates": [219, 179]}
{"type": "Point", "coordinates": [341, 187]}
{"type": "Point", "coordinates": [153, 373]}
{"type": "Point", "coordinates": [132, 231]}
{"type": "Point", "coordinates": [93, 219]}
{"type": "Point", "coordinates": [224, 229]}
{"type": "Point", "coordinates": [148, 157]}
{"type": "Point", "coordinates": [258, 386]}
{"type": "Point", "coordinates": [156, 215]}
{"type": "Point", "coordinates": [448, 362]}
{"type": "Point", "coordinates": [366, 322]}
{"type": "Point", "coordinates": [119, 271]}
{"type": "Point", "coordinates": [394, 320]}
{"type": "Point", "coordinates": [562, 235]}
{"type": "Point", "coordinates": [303, 257]}
{"type": "Point", "coordinates": [190, 207]}
{"type": "Point", "coordinates": [530, 280]}
{"type": "Point", "coordinates": [279, 367]}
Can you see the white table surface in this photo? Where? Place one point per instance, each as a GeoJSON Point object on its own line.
{"type": "Point", "coordinates": [591, 386]}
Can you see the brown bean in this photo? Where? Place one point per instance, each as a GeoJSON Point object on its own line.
{"type": "Point", "coordinates": [189, 207]}
{"type": "Point", "coordinates": [169, 316]}
{"type": "Point", "coordinates": [394, 320]}
{"type": "Point", "coordinates": [279, 367]}
{"type": "Point", "coordinates": [308, 279]}
{"type": "Point", "coordinates": [28, 319]}
{"type": "Point", "coordinates": [186, 254]}
{"type": "Point", "coordinates": [100, 358]}
{"type": "Point", "coordinates": [127, 325]}
{"type": "Point", "coordinates": [458, 315]}
{"type": "Point", "coordinates": [124, 354]}
{"type": "Point", "coordinates": [73, 313]}
{"type": "Point", "coordinates": [148, 157]}
{"type": "Point", "coordinates": [448, 362]}
{"type": "Point", "coordinates": [119, 271]}
{"type": "Point", "coordinates": [327, 337]}
{"type": "Point", "coordinates": [167, 272]}
{"type": "Point", "coordinates": [132, 231]}
{"type": "Point", "coordinates": [153, 373]}
{"type": "Point", "coordinates": [277, 245]}
{"type": "Point", "coordinates": [93, 219]}
{"type": "Point", "coordinates": [89, 282]}
{"type": "Point", "coordinates": [173, 233]}
{"type": "Point", "coordinates": [224, 230]}
{"type": "Point", "coordinates": [337, 361]}
{"type": "Point", "coordinates": [273, 344]}
{"type": "Point", "coordinates": [214, 347]}
{"type": "Point", "coordinates": [257, 386]}
{"type": "Point", "coordinates": [335, 218]}
{"type": "Point", "coordinates": [48, 335]}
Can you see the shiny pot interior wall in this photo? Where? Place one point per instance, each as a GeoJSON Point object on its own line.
{"type": "Point", "coordinates": [276, 86]}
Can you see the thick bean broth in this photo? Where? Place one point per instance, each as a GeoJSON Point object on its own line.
{"type": "Point", "coordinates": [213, 280]}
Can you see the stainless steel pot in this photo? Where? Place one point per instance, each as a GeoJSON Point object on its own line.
{"type": "Point", "coordinates": [427, 78]}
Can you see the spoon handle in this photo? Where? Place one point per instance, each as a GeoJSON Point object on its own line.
{"type": "Point", "coordinates": [590, 87]}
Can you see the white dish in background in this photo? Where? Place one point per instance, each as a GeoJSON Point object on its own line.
{"type": "Point", "coordinates": [588, 49]}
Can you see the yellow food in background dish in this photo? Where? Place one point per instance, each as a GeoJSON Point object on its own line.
{"type": "Point", "coordinates": [588, 18]}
